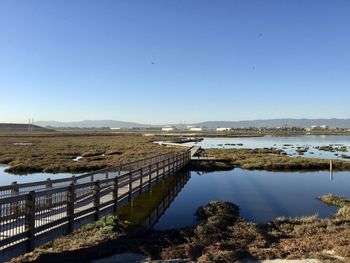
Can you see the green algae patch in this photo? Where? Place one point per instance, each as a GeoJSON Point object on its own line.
{"type": "Point", "coordinates": [137, 212]}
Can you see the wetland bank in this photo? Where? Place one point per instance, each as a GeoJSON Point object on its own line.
{"type": "Point", "coordinates": [263, 185]}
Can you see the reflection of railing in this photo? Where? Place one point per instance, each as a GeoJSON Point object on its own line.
{"type": "Point", "coordinates": [30, 219]}
{"type": "Point", "coordinates": [167, 200]}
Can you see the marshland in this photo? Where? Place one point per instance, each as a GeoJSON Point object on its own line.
{"type": "Point", "coordinates": [265, 206]}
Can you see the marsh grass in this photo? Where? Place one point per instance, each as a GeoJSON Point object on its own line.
{"type": "Point", "coordinates": [338, 201]}
{"type": "Point", "coordinates": [274, 160]}
{"type": "Point", "coordinates": [54, 153]}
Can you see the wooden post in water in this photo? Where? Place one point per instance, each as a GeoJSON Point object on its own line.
{"type": "Point", "coordinates": [331, 165]}
{"type": "Point", "coordinates": [331, 170]}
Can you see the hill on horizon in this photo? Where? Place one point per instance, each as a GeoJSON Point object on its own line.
{"type": "Point", "coordinates": [92, 124]}
{"type": "Point", "coordinates": [270, 123]}
{"type": "Point", "coordinates": [19, 127]}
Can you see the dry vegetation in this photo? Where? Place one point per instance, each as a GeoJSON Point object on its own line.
{"type": "Point", "coordinates": [273, 160]}
{"type": "Point", "coordinates": [222, 236]}
{"type": "Point", "coordinates": [54, 153]}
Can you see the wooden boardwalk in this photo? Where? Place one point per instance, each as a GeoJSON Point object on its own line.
{"type": "Point", "coordinates": [34, 213]}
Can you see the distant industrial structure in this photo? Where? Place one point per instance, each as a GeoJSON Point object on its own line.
{"type": "Point", "coordinates": [317, 127]}
{"type": "Point", "coordinates": [221, 129]}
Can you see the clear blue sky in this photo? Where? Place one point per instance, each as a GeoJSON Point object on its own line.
{"type": "Point", "coordinates": [169, 61]}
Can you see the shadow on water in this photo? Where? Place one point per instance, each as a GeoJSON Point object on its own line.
{"type": "Point", "coordinates": [147, 208]}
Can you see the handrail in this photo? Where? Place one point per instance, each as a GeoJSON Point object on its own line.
{"type": "Point", "coordinates": [18, 186]}
{"type": "Point", "coordinates": [28, 220]}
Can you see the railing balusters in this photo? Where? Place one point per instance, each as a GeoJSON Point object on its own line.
{"type": "Point", "coordinates": [60, 203]}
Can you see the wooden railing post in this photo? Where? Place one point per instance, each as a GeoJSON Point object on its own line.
{"type": "Point", "coordinates": [96, 199]}
{"type": "Point", "coordinates": [14, 191]}
{"type": "Point", "coordinates": [48, 198]}
{"type": "Point", "coordinates": [106, 175]}
{"type": "Point", "coordinates": [157, 178]}
{"type": "Point", "coordinates": [130, 187]}
{"type": "Point", "coordinates": [70, 207]}
{"type": "Point", "coordinates": [150, 176]}
{"type": "Point", "coordinates": [74, 179]}
{"type": "Point", "coordinates": [30, 221]}
{"type": "Point", "coordinates": [141, 180]}
{"type": "Point", "coordinates": [115, 193]}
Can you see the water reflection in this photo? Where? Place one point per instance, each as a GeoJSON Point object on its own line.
{"type": "Point", "coordinates": [291, 145]}
{"type": "Point", "coordinates": [7, 178]}
{"type": "Point", "coordinates": [261, 195]}
{"type": "Point", "coordinates": [147, 208]}
{"type": "Point", "coordinates": [169, 196]}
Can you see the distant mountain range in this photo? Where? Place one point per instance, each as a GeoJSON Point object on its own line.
{"type": "Point", "coordinates": [92, 124]}
{"type": "Point", "coordinates": [339, 123]}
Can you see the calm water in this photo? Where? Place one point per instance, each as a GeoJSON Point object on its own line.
{"type": "Point", "coordinates": [287, 144]}
{"type": "Point", "coordinates": [261, 195]}
{"type": "Point", "coordinates": [6, 178]}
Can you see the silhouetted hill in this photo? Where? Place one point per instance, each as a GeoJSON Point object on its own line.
{"type": "Point", "coordinates": [92, 124]}
{"type": "Point", "coordinates": [339, 123]}
{"type": "Point", "coordinates": [16, 127]}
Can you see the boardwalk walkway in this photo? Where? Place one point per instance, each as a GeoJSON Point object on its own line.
{"type": "Point", "coordinates": [34, 213]}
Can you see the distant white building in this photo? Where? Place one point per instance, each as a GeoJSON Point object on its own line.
{"type": "Point", "coordinates": [168, 128]}
{"type": "Point", "coordinates": [197, 129]}
{"type": "Point", "coordinates": [221, 129]}
{"type": "Point", "coordinates": [115, 128]}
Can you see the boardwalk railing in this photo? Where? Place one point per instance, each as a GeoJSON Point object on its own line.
{"type": "Point", "coordinates": [110, 172]}
{"type": "Point", "coordinates": [35, 213]}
